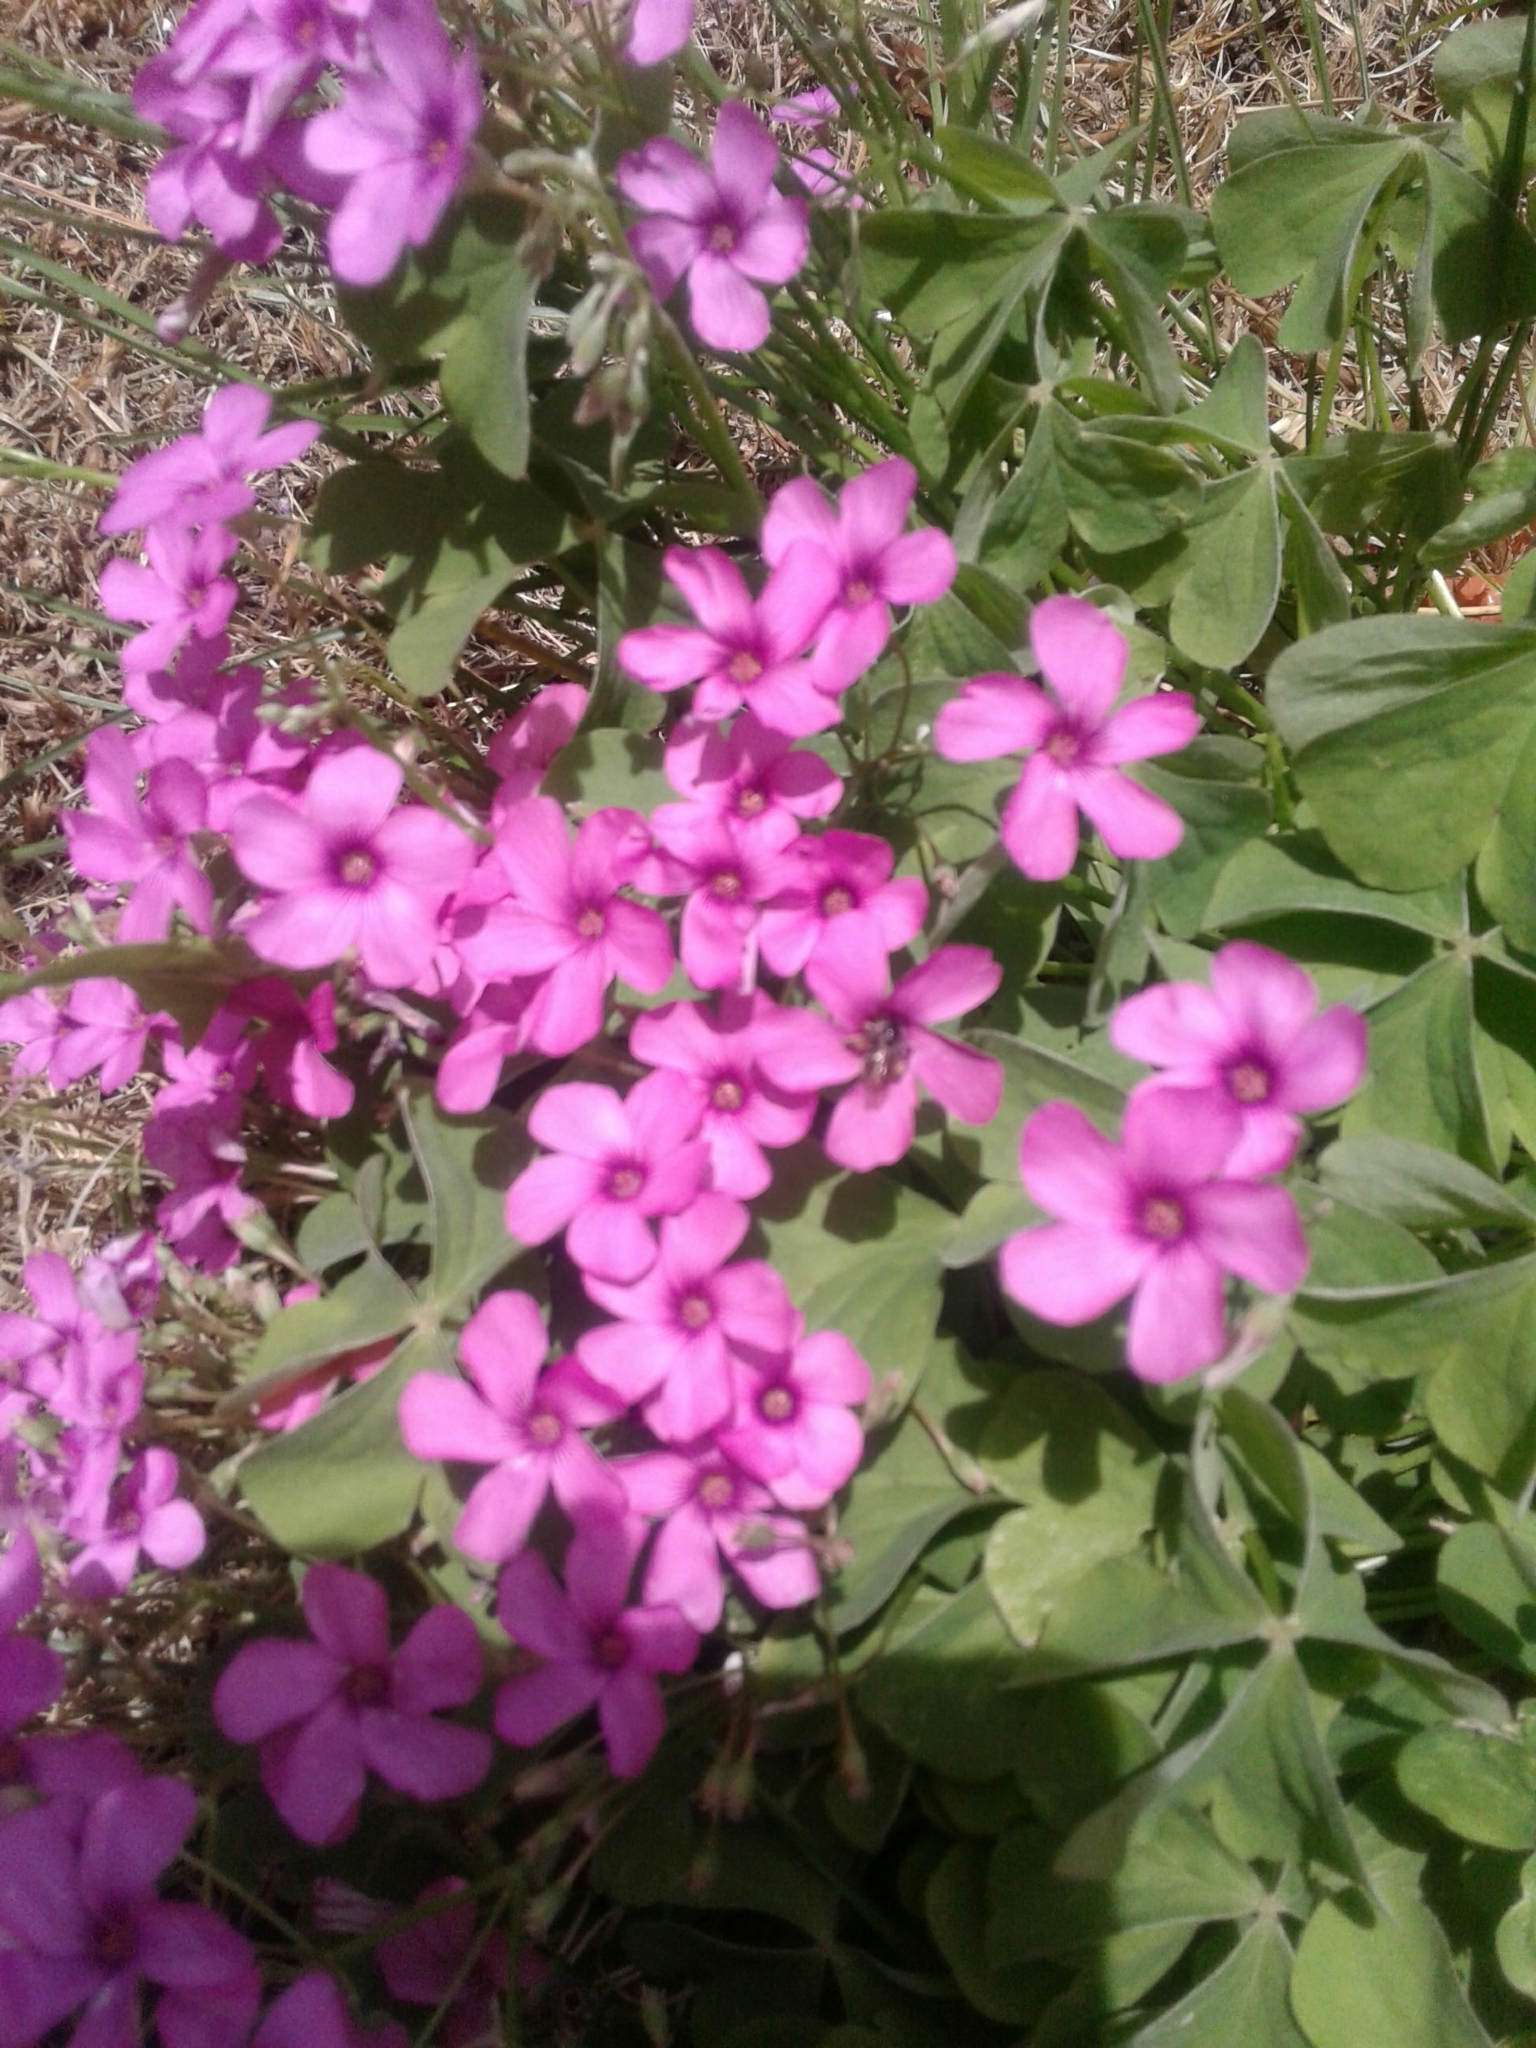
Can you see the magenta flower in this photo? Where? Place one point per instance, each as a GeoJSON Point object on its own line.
{"type": "Point", "coordinates": [99, 1025]}
{"type": "Point", "coordinates": [199, 1152]}
{"type": "Point", "coordinates": [430, 1962]}
{"type": "Point", "coordinates": [291, 1036]}
{"type": "Point", "coordinates": [839, 889]}
{"type": "Point", "coordinates": [327, 1712]}
{"type": "Point", "coordinates": [70, 1772]}
{"type": "Point", "coordinates": [524, 1423]}
{"type": "Point", "coordinates": [657, 29]}
{"type": "Point", "coordinates": [495, 1029]}
{"type": "Point", "coordinates": [744, 650]}
{"type": "Point", "coordinates": [177, 593]}
{"type": "Point", "coordinates": [82, 1927]}
{"type": "Point", "coordinates": [347, 871]}
{"type": "Point", "coordinates": [724, 228]}
{"type": "Point", "coordinates": [120, 1283]}
{"type": "Point", "coordinates": [312, 2013]}
{"type": "Point", "coordinates": [522, 750]}
{"type": "Point", "coordinates": [86, 1372]}
{"type": "Point", "coordinates": [205, 177]}
{"type": "Point", "coordinates": [611, 1166]}
{"type": "Point", "coordinates": [878, 1039]}
{"type": "Point", "coordinates": [31, 1675]}
{"type": "Point", "coordinates": [278, 49]}
{"type": "Point", "coordinates": [1253, 1034]}
{"type": "Point", "coordinates": [1075, 743]}
{"type": "Point", "coordinates": [566, 921]}
{"type": "Point", "coordinates": [195, 680]}
{"type": "Point", "coordinates": [735, 1108]}
{"type": "Point", "coordinates": [794, 1427]}
{"type": "Point", "coordinates": [747, 773]}
{"type": "Point", "coordinates": [877, 563]}
{"type": "Point", "coordinates": [141, 1513]}
{"type": "Point", "coordinates": [683, 1325]}
{"type": "Point", "coordinates": [145, 843]}
{"type": "Point", "coordinates": [704, 1509]}
{"type": "Point", "coordinates": [1156, 1218]}
{"type": "Point", "coordinates": [401, 137]}
{"type": "Point", "coordinates": [598, 1651]}
{"type": "Point", "coordinates": [200, 479]}
{"type": "Point", "coordinates": [731, 876]}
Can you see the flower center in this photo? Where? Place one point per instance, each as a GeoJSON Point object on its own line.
{"type": "Point", "coordinates": [857, 592]}
{"type": "Point", "coordinates": [722, 237]}
{"type": "Point", "coordinates": [590, 924]}
{"type": "Point", "coordinates": [196, 592]}
{"type": "Point", "coordinates": [1163, 1218]}
{"type": "Point", "coordinates": [1063, 747]}
{"type": "Point", "coordinates": [612, 1650]}
{"type": "Point", "coordinates": [437, 150]}
{"type": "Point", "coordinates": [776, 1405]}
{"type": "Point", "coordinates": [694, 1311]}
{"type": "Point", "coordinates": [114, 1941]}
{"type": "Point", "coordinates": [544, 1428]}
{"type": "Point", "coordinates": [744, 667]}
{"type": "Point", "coordinates": [716, 1490]}
{"type": "Point", "coordinates": [750, 803]}
{"type": "Point", "coordinates": [366, 1685]}
{"type": "Point", "coordinates": [1248, 1081]}
{"type": "Point", "coordinates": [837, 900]}
{"type": "Point", "coordinates": [357, 866]}
{"type": "Point", "coordinates": [727, 1095]}
{"type": "Point", "coordinates": [727, 885]}
{"type": "Point", "coordinates": [884, 1050]}
{"type": "Point", "coordinates": [625, 1182]}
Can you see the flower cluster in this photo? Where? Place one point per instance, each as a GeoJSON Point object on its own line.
{"type": "Point", "coordinates": [236, 87]}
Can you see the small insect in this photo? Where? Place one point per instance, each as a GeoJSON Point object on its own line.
{"type": "Point", "coordinates": [884, 1049]}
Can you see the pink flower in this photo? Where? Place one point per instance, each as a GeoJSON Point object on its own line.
{"type": "Point", "coordinates": [177, 593]}
{"type": "Point", "coordinates": [312, 2013]}
{"type": "Point", "coordinates": [725, 228]}
{"type": "Point", "coordinates": [876, 561]}
{"type": "Point", "coordinates": [839, 888]}
{"type": "Point", "coordinates": [287, 1047]}
{"type": "Point", "coordinates": [347, 871]}
{"type": "Point", "coordinates": [747, 773]}
{"type": "Point", "coordinates": [598, 1652]}
{"type": "Point", "coordinates": [1155, 1217]}
{"type": "Point", "coordinates": [794, 1426]}
{"type": "Point", "coordinates": [611, 1166]}
{"type": "Point", "coordinates": [1254, 1035]}
{"type": "Point", "coordinates": [525, 746]}
{"type": "Point", "coordinates": [81, 1926]}
{"type": "Point", "coordinates": [122, 838]}
{"type": "Point", "coordinates": [432, 1962]}
{"type": "Point", "coordinates": [328, 1711]}
{"type": "Point", "coordinates": [200, 479]}
{"type": "Point", "coordinates": [735, 1108]}
{"type": "Point", "coordinates": [495, 1029]}
{"type": "Point", "coordinates": [657, 29]}
{"type": "Point", "coordinates": [120, 1284]}
{"type": "Point", "coordinates": [1075, 742]}
{"type": "Point", "coordinates": [279, 48]}
{"type": "Point", "coordinates": [99, 1025]}
{"type": "Point", "coordinates": [681, 1327]}
{"type": "Point", "coordinates": [566, 921]}
{"type": "Point", "coordinates": [196, 680]}
{"type": "Point", "coordinates": [704, 1509]}
{"type": "Point", "coordinates": [744, 650]}
{"type": "Point", "coordinates": [141, 1513]}
{"type": "Point", "coordinates": [878, 1039]}
{"type": "Point", "coordinates": [401, 137]}
{"type": "Point", "coordinates": [205, 178]}
{"type": "Point", "coordinates": [197, 1148]}
{"type": "Point", "coordinates": [31, 1675]}
{"type": "Point", "coordinates": [732, 876]}
{"type": "Point", "coordinates": [525, 1424]}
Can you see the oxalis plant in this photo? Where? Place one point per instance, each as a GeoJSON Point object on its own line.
{"type": "Point", "coordinates": [906, 1405]}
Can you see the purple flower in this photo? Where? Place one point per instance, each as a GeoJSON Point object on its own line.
{"type": "Point", "coordinates": [120, 1283]}
{"type": "Point", "coordinates": [725, 228]}
{"type": "Point", "coordinates": [687, 1320]}
{"type": "Point", "coordinates": [70, 1772]}
{"type": "Point", "coordinates": [706, 1508]}
{"type": "Point", "coordinates": [292, 1035]}
{"type": "Point", "coordinates": [327, 1712]}
{"type": "Point", "coordinates": [877, 563]}
{"type": "Point", "coordinates": [141, 1513]}
{"type": "Point", "coordinates": [1155, 1217]}
{"type": "Point", "coordinates": [200, 479]}
{"type": "Point", "coordinates": [731, 875]}
{"type": "Point", "coordinates": [1253, 1033]}
{"type": "Point", "coordinates": [197, 1148]}
{"type": "Point", "coordinates": [279, 49]}
{"type": "Point", "coordinates": [878, 1039]}
{"type": "Point", "coordinates": [744, 650]}
{"type": "Point", "coordinates": [524, 747]}
{"type": "Point", "coordinates": [31, 1675]}
{"type": "Point", "coordinates": [401, 138]}
{"type": "Point", "coordinates": [611, 1165]}
{"type": "Point", "coordinates": [737, 1110]}
{"type": "Point", "coordinates": [524, 1423]}
{"type": "Point", "coordinates": [99, 1025]}
{"type": "Point", "coordinates": [839, 887]}
{"type": "Point", "coordinates": [493, 1031]}
{"type": "Point", "coordinates": [794, 1427]}
{"type": "Point", "coordinates": [598, 1651]}
{"type": "Point", "coordinates": [564, 919]}
{"type": "Point", "coordinates": [177, 593]}
{"type": "Point", "coordinates": [206, 178]}
{"type": "Point", "coordinates": [347, 870]}
{"type": "Point", "coordinates": [1075, 742]}
{"type": "Point", "coordinates": [747, 773]}
{"type": "Point", "coordinates": [430, 1962]}
{"type": "Point", "coordinates": [84, 1928]}
{"type": "Point", "coordinates": [122, 838]}
{"type": "Point", "coordinates": [312, 2013]}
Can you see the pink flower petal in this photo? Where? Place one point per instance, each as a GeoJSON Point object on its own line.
{"type": "Point", "coordinates": [426, 1759]}
{"type": "Point", "coordinates": [1081, 653]}
{"type": "Point", "coordinates": [743, 158]}
{"type": "Point", "coordinates": [1177, 1137]}
{"type": "Point", "coordinates": [270, 1683]}
{"type": "Point", "coordinates": [1326, 1060]}
{"type": "Point", "coordinates": [1039, 821]}
{"type": "Point", "coordinates": [1252, 1231]}
{"type": "Point", "coordinates": [950, 982]}
{"type": "Point", "coordinates": [968, 1083]}
{"type": "Point", "coordinates": [347, 1612]}
{"type": "Point", "coordinates": [1177, 1024]}
{"type": "Point", "coordinates": [1133, 823]}
{"type": "Point", "coordinates": [772, 247]}
{"type": "Point", "coordinates": [547, 1194]}
{"type": "Point", "coordinates": [726, 310]}
{"type": "Point", "coordinates": [1071, 1272]}
{"type": "Point", "coordinates": [633, 1722]}
{"type": "Point", "coordinates": [499, 1511]}
{"type": "Point", "coordinates": [798, 510]}
{"type": "Point", "coordinates": [532, 1706]}
{"type": "Point", "coordinates": [536, 1613]}
{"type": "Point", "coordinates": [1161, 724]}
{"type": "Point", "coordinates": [503, 1344]}
{"type": "Point", "coordinates": [1178, 1319]}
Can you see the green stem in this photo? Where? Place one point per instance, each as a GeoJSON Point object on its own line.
{"type": "Point", "coordinates": [714, 435]}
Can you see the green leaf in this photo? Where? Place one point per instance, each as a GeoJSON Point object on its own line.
{"type": "Point", "coordinates": [956, 1903]}
{"type": "Point", "coordinates": [1226, 594]}
{"type": "Point", "coordinates": [986, 169]}
{"type": "Point", "coordinates": [1486, 1580]}
{"type": "Point", "coordinates": [364, 1307]}
{"type": "Point", "coordinates": [932, 268]}
{"type": "Point", "coordinates": [1027, 527]}
{"type": "Point", "coordinates": [370, 510]}
{"type": "Point", "coordinates": [1236, 408]}
{"type": "Point", "coordinates": [1479, 1784]}
{"type": "Point", "coordinates": [1323, 594]}
{"type": "Point", "coordinates": [462, 268]}
{"type": "Point", "coordinates": [467, 1163]}
{"type": "Point", "coordinates": [1267, 877]}
{"type": "Point", "coordinates": [1244, 1999]}
{"type": "Point", "coordinates": [1506, 867]}
{"type": "Point", "coordinates": [1380, 1979]}
{"type": "Point", "coordinates": [1032, 1075]}
{"type": "Point", "coordinates": [1406, 733]}
{"type": "Point", "coordinates": [1354, 1251]}
{"type": "Point", "coordinates": [1402, 483]}
{"type": "Point", "coordinates": [1503, 500]}
{"type": "Point", "coordinates": [1418, 1186]}
{"type": "Point", "coordinates": [485, 372]}
{"type": "Point", "coordinates": [610, 766]}
{"type": "Point", "coordinates": [425, 646]}
{"type": "Point", "coordinates": [1515, 1942]}
{"type": "Point", "coordinates": [1036, 1557]}
{"type": "Point", "coordinates": [1222, 810]}
{"type": "Point", "coordinates": [1119, 493]}
{"type": "Point", "coordinates": [938, 1691]}
{"type": "Point", "coordinates": [898, 1501]}
{"type": "Point", "coordinates": [991, 1216]}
